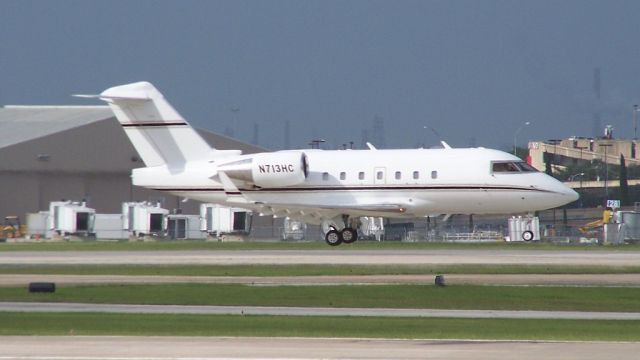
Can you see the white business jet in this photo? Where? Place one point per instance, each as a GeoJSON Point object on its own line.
{"type": "Point", "coordinates": [333, 188]}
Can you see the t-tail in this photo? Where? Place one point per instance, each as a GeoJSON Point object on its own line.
{"type": "Point", "coordinates": [159, 133]}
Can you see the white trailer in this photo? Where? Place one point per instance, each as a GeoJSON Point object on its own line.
{"type": "Point", "coordinates": [293, 229]}
{"type": "Point", "coordinates": [181, 226]}
{"type": "Point", "coordinates": [144, 218]}
{"type": "Point", "coordinates": [372, 227]}
{"type": "Point", "coordinates": [38, 225]}
{"type": "Point", "coordinates": [219, 220]}
{"type": "Point", "coordinates": [71, 218]}
{"type": "Point", "coordinates": [109, 227]}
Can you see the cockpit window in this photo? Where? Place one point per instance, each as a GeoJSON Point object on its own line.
{"type": "Point", "coordinates": [524, 167]}
{"type": "Point", "coordinates": [511, 167]}
{"type": "Point", "coordinates": [502, 167]}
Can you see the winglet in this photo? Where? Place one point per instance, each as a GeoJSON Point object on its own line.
{"type": "Point", "coordinates": [370, 146]}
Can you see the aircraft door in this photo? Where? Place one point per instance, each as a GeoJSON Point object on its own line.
{"type": "Point", "coordinates": [380, 175]}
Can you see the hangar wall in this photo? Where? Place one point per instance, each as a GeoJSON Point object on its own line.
{"type": "Point", "coordinates": [91, 161]}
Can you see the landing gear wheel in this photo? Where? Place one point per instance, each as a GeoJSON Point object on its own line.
{"type": "Point", "coordinates": [349, 235]}
{"type": "Point", "coordinates": [333, 238]}
{"type": "Point", "coordinates": [527, 235]}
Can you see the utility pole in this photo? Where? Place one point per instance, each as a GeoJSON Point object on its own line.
{"type": "Point", "coordinates": [515, 135]}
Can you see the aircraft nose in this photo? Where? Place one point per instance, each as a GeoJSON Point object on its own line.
{"type": "Point", "coordinates": [572, 194]}
{"type": "Point", "coordinates": [562, 193]}
{"type": "Point", "coordinates": [568, 194]}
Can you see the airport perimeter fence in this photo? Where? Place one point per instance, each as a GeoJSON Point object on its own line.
{"type": "Point", "coordinates": [417, 231]}
{"type": "Point", "coordinates": [423, 231]}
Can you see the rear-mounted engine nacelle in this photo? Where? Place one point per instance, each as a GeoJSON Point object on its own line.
{"type": "Point", "coordinates": [269, 169]}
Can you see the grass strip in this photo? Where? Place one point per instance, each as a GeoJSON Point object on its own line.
{"type": "Point", "coordinates": [617, 299]}
{"type": "Point", "coordinates": [310, 270]}
{"type": "Point", "coordinates": [281, 245]}
{"type": "Point", "coordinates": [299, 326]}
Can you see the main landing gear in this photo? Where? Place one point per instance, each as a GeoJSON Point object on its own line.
{"type": "Point", "coordinates": [336, 237]}
{"type": "Point", "coordinates": [346, 235]}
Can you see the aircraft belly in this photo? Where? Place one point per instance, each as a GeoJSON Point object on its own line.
{"type": "Point", "coordinates": [412, 203]}
{"type": "Point", "coordinates": [485, 201]}
{"type": "Point", "coordinates": [338, 198]}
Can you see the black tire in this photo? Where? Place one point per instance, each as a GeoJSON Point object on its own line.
{"type": "Point", "coordinates": [47, 287]}
{"type": "Point", "coordinates": [349, 235]}
{"type": "Point", "coordinates": [527, 235]}
{"type": "Point", "coordinates": [333, 238]}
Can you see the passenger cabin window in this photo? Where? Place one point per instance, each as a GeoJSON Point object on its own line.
{"type": "Point", "coordinates": [416, 175]}
{"type": "Point", "coordinates": [398, 175]}
{"type": "Point", "coordinates": [361, 175]}
{"type": "Point", "coordinates": [343, 175]}
{"type": "Point", "coordinates": [325, 176]}
{"type": "Point", "coordinates": [434, 174]}
{"type": "Point", "coordinates": [511, 167]}
{"type": "Point", "coordinates": [379, 175]}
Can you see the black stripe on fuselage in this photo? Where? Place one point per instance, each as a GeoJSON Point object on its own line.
{"type": "Point", "coordinates": [358, 188]}
{"type": "Point", "coordinates": [153, 124]}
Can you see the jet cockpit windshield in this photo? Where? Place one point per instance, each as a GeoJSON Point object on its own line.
{"type": "Point", "coordinates": [511, 167]}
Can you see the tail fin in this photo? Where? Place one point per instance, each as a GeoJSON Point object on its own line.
{"type": "Point", "coordinates": [159, 134]}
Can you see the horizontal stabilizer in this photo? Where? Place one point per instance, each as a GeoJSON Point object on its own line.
{"type": "Point", "coordinates": [106, 97]}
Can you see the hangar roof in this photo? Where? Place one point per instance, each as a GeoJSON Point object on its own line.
{"type": "Point", "coordinates": [22, 123]}
{"type": "Point", "coordinates": [19, 124]}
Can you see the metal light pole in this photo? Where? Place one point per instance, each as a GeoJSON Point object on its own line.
{"type": "Point", "coordinates": [234, 118]}
{"type": "Point", "coordinates": [515, 136]}
{"type": "Point", "coordinates": [606, 170]}
{"type": "Point", "coordinates": [635, 122]}
{"type": "Point", "coordinates": [581, 148]}
{"type": "Point", "coordinates": [437, 134]}
{"type": "Point", "coordinates": [315, 144]}
{"type": "Point", "coordinates": [573, 177]}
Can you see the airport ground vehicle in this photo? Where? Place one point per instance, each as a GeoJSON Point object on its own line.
{"type": "Point", "coordinates": [12, 228]}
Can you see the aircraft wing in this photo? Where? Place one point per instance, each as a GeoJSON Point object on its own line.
{"type": "Point", "coordinates": [308, 212]}
{"type": "Point", "coordinates": [315, 213]}
{"type": "Point", "coordinates": [394, 208]}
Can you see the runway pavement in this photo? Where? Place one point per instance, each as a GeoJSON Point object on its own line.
{"type": "Point", "coordinates": [192, 348]}
{"type": "Point", "coordinates": [312, 311]}
{"type": "Point", "coordinates": [124, 348]}
{"type": "Point", "coordinates": [335, 256]}
{"type": "Point", "coordinates": [450, 279]}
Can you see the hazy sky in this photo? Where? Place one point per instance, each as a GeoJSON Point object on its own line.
{"type": "Point", "coordinates": [474, 71]}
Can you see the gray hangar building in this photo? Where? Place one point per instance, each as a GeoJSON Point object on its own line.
{"type": "Point", "coordinates": [53, 153]}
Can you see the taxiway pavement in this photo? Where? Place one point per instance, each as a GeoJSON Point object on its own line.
{"type": "Point", "coordinates": [335, 256]}
{"type": "Point", "coordinates": [450, 279]}
{"type": "Point", "coordinates": [191, 348]}
{"type": "Point", "coordinates": [311, 311]}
